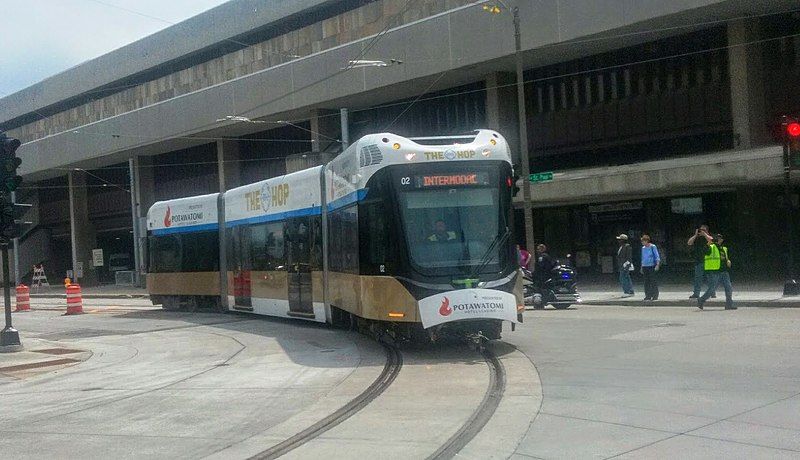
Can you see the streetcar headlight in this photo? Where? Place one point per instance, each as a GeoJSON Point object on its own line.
{"type": "Point", "coordinates": [492, 141]}
{"type": "Point", "coordinates": [396, 146]}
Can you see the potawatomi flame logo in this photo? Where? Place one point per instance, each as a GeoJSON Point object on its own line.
{"type": "Point", "coordinates": [168, 217]}
{"type": "Point", "coordinates": [445, 309]}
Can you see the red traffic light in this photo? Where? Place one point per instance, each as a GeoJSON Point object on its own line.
{"type": "Point", "coordinates": [793, 129]}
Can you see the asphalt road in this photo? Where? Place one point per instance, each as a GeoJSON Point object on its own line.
{"type": "Point", "coordinates": [147, 383]}
{"type": "Point", "coordinates": [664, 383]}
{"type": "Point", "coordinates": [608, 382]}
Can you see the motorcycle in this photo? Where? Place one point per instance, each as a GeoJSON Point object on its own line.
{"type": "Point", "coordinates": [560, 289]}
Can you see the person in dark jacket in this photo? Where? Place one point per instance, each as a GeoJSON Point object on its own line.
{"type": "Point", "coordinates": [699, 249]}
{"type": "Point", "coordinates": [625, 265]}
{"type": "Point", "coordinates": [544, 264]}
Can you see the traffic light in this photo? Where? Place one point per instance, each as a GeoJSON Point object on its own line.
{"type": "Point", "coordinates": [793, 141]}
{"type": "Point", "coordinates": [9, 163]}
{"type": "Point", "coordinates": [512, 183]}
{"type": "Point", "coordinates": [11, 223]}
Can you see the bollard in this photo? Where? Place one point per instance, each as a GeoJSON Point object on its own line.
{"type": "Point", "coordinates": [74, 300]}
{"type": "Point", "coordinates": [23, 298]}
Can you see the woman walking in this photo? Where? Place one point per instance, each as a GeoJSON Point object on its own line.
{"type": "Point", "coordinates": [651, 262]}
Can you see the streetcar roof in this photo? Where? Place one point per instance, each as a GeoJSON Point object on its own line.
{"type": "Point", "coordinates": [291, 195]}
{"type": "Point", "coordinates": [347, 174]}
{"type": "Point", "coordinates": [194, 213]}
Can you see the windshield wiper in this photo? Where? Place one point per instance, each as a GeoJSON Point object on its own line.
{"type": "Point", "coordinates": [499, 240]}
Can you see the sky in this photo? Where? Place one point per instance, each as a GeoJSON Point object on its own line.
{"type": "Point", "coordinates": [40, 38]}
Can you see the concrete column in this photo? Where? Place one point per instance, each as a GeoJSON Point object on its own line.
{"type": "Point", "coordinates": [83, 237]}
{"type": "Point", "coordinates": [325, 129]}
{"type": "Point", "coordinates": [228, 166]}
{"type": "Point", "coordinates": [501, 108]}
{"type": "Point", "coordinates": [145, 183]}
{"type": "Point", "coordinates": [745, 67]}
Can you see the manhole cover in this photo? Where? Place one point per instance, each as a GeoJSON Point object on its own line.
{"type": "Point", "coordinates": [669, 325]}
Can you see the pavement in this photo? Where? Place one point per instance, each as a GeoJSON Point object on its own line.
{"type": "Point", "coordinates": [150, 383]}
{"type": "Point", "coordinates": [586, 382]}
{"type": "Point", "coordinates": [674, 295]}
{"type": "Point", "coordinates": [671, 382]}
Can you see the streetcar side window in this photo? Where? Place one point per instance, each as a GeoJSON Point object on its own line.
{"type": "Point", "coordinates": [267, 247]}
{"type": "Point", "coordinates": [377, 254]}
{"type": "Point", "coordinates": [316, 243]}
{"type": "Point", "coordinates": [200, 252]}
{"type": "Point", "coordinates": [343, 238]}
{"type": "Point", "coordinates": [184, 252]}
{"type": "Point", "coordinates": [165, 254]}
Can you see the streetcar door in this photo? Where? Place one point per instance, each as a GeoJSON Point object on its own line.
{"type": "Point", "coordinates": [298, 242]}
{"type": "Point", "coordinates": [241, 268]}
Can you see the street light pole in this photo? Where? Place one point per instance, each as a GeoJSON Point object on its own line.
{"type": "Point", "coordinates": [523, 135]}
{"type": "Point", "coordinates": [523, 121]}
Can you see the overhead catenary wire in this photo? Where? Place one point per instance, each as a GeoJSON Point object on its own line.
{"type": "Point", "coordinates": [156, 18]}
{"type": "Point", "coordinates": [383, 32]}
{"type": "Point", "coordinates": [422, 98]}
{"type": "Point", "coordinates": [460, 93]}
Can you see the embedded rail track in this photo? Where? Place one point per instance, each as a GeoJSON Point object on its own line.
{"type": "Point", "coordinates": [394, 362]}
{"type": "Point", "coordinates": [481, 415]}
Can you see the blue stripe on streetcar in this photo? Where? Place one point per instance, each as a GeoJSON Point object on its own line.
{"type": "Point", "coordinates": [185, 229]}
{"type": "Point", "coordinates": [312, 211]}
{"type": "Point", "coordinates": [350, 198]}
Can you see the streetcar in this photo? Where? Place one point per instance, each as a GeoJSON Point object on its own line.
{"type": "Point", "coordinates": [412, 235]}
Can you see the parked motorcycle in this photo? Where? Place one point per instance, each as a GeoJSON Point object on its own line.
{"type": "Point", "coordinates": [560, 289]}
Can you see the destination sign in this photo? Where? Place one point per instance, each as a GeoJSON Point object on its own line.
{"type": "Point", "coordinates": [450, 180]}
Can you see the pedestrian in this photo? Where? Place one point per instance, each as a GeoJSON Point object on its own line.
{"type": "Point", "coordinates": [717, 269]}
{"type": "Point", "coordinates": [625, 265]}
{"type": "Point", "coordinates": [523, 257]}
{"type": "Point", "coordinates": [699, 250]}
{"type": "Point", "coordinates": [651, 263]}
{"type": "Point", "coordinates": [544, 265]}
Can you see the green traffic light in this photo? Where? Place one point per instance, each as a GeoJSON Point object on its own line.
{"type": "Point", "coordinates": [12, 182]}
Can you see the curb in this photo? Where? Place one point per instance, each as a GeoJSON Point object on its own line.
{"type": "Point", "coordinates": [693, 304]}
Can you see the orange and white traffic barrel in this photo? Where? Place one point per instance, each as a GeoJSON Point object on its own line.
{"type": "Point", "coordinates": [23, 298]}
{"type": "Point", "coordinates": [74, 300]}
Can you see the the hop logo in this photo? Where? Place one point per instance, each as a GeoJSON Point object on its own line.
{"type": "Point", "coordinates": [445, 309]}
{"type": "Point", "coordinates": [168, 217]}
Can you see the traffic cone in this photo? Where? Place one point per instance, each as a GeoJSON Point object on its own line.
{"type": "Point", "coordinates": [23, 298]}
{"type": "Point", "coordinates": [74, 300]}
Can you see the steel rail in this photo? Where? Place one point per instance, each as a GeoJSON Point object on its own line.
{"type": "Point", "coordinates": [481, 415]}
{"type": "Point", "coordinates": [394, 362]}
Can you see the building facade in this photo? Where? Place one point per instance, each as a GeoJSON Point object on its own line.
{"type": "Point", "coordinates": [653, 116]}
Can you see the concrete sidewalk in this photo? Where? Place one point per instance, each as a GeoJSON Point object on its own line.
{"type": "Point", "coordinates": [91, 292]}
{"type": "Point", "coordinates": [674, 295]}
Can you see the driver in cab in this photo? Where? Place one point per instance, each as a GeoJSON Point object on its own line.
{"type": "Point", "coordinates": [441, 233]}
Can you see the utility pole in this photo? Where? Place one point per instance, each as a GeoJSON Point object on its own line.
{"type": "Point", "coordinates": [523, 135]}
{"type": "Point", "coordinates": [11, 227]}
{"type": "Point", "coordinates": [343, 118]}
{"type": "Point", "coordinates": [791, 136]}
{"type": "Point", "coordinates": [522, 115]}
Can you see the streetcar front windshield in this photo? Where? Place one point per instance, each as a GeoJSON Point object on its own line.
{"type": "Point", "coordinates": [453, 228]}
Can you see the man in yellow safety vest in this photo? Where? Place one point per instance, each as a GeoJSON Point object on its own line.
{"type": "Point", "coordinates": [717, 265]}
